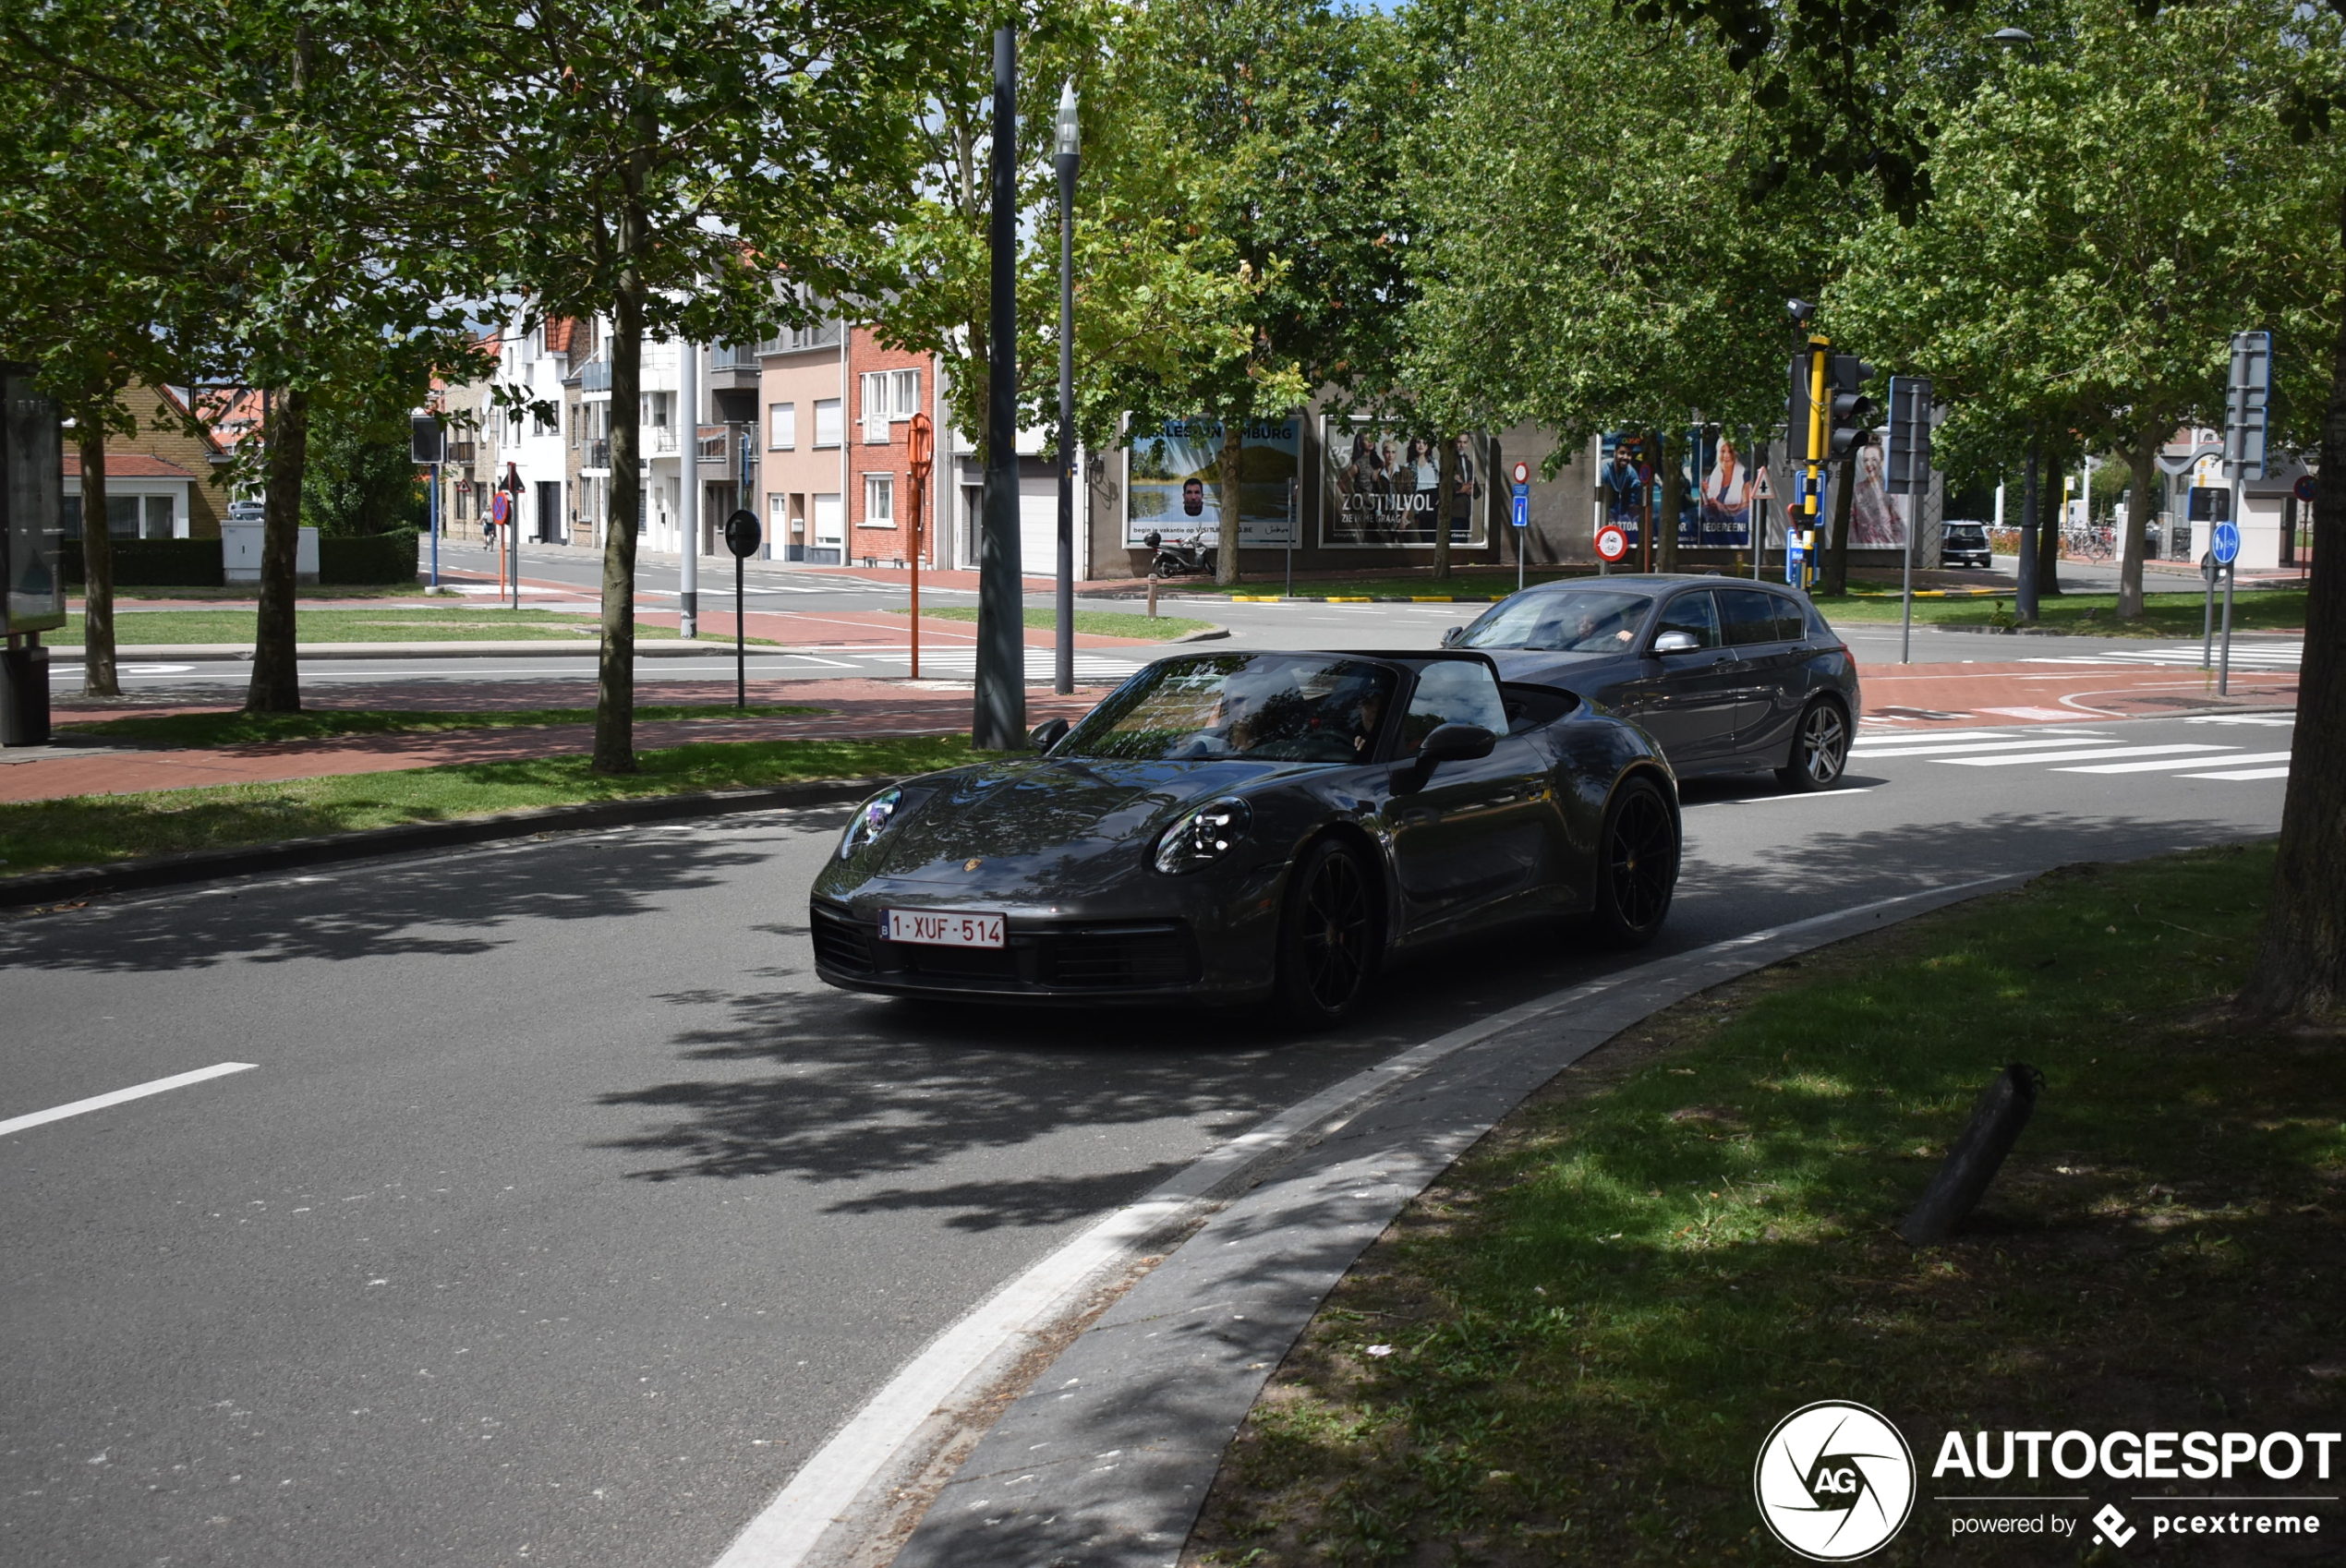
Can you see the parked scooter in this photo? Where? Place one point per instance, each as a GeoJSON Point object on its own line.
{"type": "Point", "coordinates": [1180, 559]}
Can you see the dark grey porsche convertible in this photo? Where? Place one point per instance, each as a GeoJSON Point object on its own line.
{"type": "Point", "coordinates": [1247, 827]}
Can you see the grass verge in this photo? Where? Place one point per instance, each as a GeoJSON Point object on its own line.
{"type": "Point", "coordinates": [2164, 615]}
{"type": "Point", "coordinates": [392, 624]}
{"type": "Point", "coordinates": [1096, 622]}
{"type": "Point", "coordinates": [95, 829]}
{"type": "Point", "coordinates": [1595, 1318]}
{"type": "Point", "coordinates": [240, 729]}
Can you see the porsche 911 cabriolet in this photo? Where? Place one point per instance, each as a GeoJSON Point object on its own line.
{"type": "Point", "coordinates": [1249, 827]}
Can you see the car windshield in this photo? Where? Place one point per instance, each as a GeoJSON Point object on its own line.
{"type": "Point", "coordinates": [1274, 708]}
{"type": "Point", "coordinates": [1569, 621]}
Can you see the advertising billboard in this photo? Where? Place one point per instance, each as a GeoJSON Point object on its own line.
{"type": "Point", "coordinates": [1174, 485]}
{"type": "Point", "coordinates": [1379, 488]}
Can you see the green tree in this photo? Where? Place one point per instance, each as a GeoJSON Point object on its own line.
{"type": "Point", "coordinates": [1606, 267]}
{"type": "Point", "coordinates": [702, 169]}
{"type": "Point", "coordinates": [1278, 119]}
{"type": "Point", "coordinates": [2105, 215]}
{"type": "Point", "coordinates": [362, 475]}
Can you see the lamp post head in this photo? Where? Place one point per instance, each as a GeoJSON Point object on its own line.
{"type": "Point", "coordinates": [1069, 138]}
{"type": "Point", "coordinates": [1799, 310]}
{"type": "Point", "coordinates": [2012, 35]}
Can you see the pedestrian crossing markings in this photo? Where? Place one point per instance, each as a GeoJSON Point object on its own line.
{"type": "Point", "coordinates": [2075, 751]}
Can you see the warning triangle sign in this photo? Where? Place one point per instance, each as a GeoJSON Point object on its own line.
{"type": "Point", "coordinates": [1762, 489]}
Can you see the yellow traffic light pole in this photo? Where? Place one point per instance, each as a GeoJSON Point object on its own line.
{"type": "Point", "coordinates": [1817, 347]}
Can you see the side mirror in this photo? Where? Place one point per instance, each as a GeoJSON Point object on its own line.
{"type": "Point", "coordinates": [1048, 733]}
{"type": "Point", "coordinates": [1675, 643]}
{"type": "Point", "coordinates": [1449, 742]}
{"type": "Point", "coordinates": [1450, 635]}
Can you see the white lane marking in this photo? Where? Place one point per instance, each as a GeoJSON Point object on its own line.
{"type": "Point", "coordinates": [1874, 749]}
{"type": "Point", "coordinates": [2245, 775]}
{"type": "Point", "coordinates": [136, 1092]}
{"type": "Point", "coordinates": [791, 1525]}
{"type": "Point", "coordinates": [1791, 795]}
{"type": "Point", "coordinates": [2075, 756]}
{"type": "Point", "coordinates": [2045, 715]}
{"type": "Point", "coordinates": [2169, 765]}
{"type": "Point", "coordinates": [2269, 720]}
{"type": "Point", "coordinates": [1868, 734]}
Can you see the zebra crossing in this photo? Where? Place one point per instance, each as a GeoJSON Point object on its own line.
{"type": "Point", "coordinates": [2278, 658]}
{"type": "Point", "coordinates": [2076, 749]}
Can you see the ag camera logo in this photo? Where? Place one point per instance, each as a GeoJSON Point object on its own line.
{"type": "Point", "coordinates": [1834, 1481]}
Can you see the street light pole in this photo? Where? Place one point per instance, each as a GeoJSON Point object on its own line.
{"type": "Point", "coordinates": [688, 492]}
{"type": "Point", "coordinates": [1068, 158]}
{"type": "Point", "coordinates": [998, 721]}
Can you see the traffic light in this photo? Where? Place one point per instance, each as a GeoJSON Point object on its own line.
{"type": "Point", "coordinates": [1796, 409]}
{"type": "Point", "coordinates": [1849, 413]}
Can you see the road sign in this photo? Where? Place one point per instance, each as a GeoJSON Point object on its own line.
{"type": "Point", "coordinates": [500, 509]}
{"type": "Point", "coordinates": [2247, 394]}
{"type": "Point", "coordinates": [1522, 510]}
{"type": "Point", "coordinates": [2303, 488]}
{"type": "Point", "coordinates": [1762, 489]}
{"type": "Point", "coordinates": [1521, 474]}
{"type": "Point", "coordinates": [1612, 543]}
{"type": "Point", "coordinates": [2224, 543]}
{"type": "Point", "coordinates": [1908, 470]}
{"type": "Point", "coordinates": [742, 535]}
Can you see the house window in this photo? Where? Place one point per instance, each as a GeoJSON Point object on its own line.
{"type": "Point", "coordinates": [829, 431]}
{"type": "Point", "coordinates": [782, 426]}
{"type": "Point", "coordinates": [888, 396]}
{"type": "Point", "coordinates": [880, 500]}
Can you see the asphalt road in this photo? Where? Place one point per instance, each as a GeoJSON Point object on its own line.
{"type": "Point", "coordinates": [562, 1214]}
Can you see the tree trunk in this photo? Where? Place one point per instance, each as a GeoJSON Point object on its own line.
{"type": "Point", "coordinates": [1446, 490]}
{"type": "Point", "coordinates": [1668, 468]}
{"type": "Point", "coordinates": [2300, 962]}
{"type": "Point", "coordinates": [98, 678]}
{"type": "Point", "coordinates": [2049, 554]}
{"type": "Point", "coordinates": [2142, 465]}
{"type": "Point", "coordinates": [1225, 562]}
{"type": "Point", "coordinates": [2023, 602]}
{"type": "Point", "coordinates": [615, 673]}
{"type": "Point", "coordinates": [276, 677]}
{"type": "Point", "coordinates": [1835, 581]}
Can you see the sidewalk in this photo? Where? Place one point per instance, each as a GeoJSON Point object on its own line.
{"type": "Point", "coordinates": [1922, 695]}
{"type": "Point", "coordinates": [99, 765]}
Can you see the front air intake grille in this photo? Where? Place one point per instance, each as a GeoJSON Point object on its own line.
{"type": "Point", "coordinates": [1129, 956]}
{"type": "Point", "coordinates": [840, 943]}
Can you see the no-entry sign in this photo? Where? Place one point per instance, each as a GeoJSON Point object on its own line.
{"type": "Point", "coordinates": [1613, 543]}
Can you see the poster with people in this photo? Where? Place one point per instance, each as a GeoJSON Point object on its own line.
{"type": "Point", "coordinates": [1622, 476]}
{"type": "Point", "coordinates": [1382, 487]}
{"type": "Point", "coordinates": [1174, 486]}
{"type": "Point", "coordinates": [1875, 522]}
{"type": "Point", "coordinates": [1724, 495]}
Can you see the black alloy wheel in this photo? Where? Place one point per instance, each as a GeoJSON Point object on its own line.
{"type": "Point", "coordinates": [1821, 749]}
{"type": "Point", "coordinates": [1638, 865]}
{"type": "Point", "coordinates": [1327, 935]}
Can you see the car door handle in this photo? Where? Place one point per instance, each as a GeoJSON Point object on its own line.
{"type": "Point", "coordinates": [1416, 817]}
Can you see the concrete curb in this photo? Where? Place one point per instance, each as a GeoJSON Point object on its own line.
{"type": "Point", "coordinates": [206, 865]}
{"type": "Point", "coordinates": [1103, 1455]}
{"type": "Point", "coordinates": [705, 647]}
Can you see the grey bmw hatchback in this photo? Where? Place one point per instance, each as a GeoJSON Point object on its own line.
{"type": "Point", "coordinates": [1725, 674]}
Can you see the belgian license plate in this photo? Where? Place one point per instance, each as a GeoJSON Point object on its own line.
{"type": "Point", "coordinates": [942, 928]}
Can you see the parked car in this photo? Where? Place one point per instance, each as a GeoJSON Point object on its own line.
{"type": "Point", "coordinates": [246, 511]}
{"type": "Point", "coordinates": [1965, 545]}
{"type": "Point", "coordinates": [1727, 675]}
{"type": "Point", "coordinates": [1250, 827]}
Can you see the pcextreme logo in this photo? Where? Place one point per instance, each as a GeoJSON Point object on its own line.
{"type": "Point", "coordinates": [1834, 1481]}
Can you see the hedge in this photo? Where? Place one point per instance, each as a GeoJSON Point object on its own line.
{"type": "Point", "coordinates": [150, 564]}
{"type": "Point", "coordinates": [367, 557]}
{"type": "Point", "coordinates": [195, 563]}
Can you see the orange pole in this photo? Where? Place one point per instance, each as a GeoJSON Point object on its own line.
{"type": "Point", "coordinates": [923, 441]}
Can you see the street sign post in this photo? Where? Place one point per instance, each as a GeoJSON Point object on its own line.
{"type": "Point", "coordinates": [1762, 492]}
{"type": "Point", "coordinates": [1520, 514]}
{"type": "Point", "coordinates": [2224, 548]}
{"type": "Point", "coordinates": [921, 451]}
{"type": "Point", "coordinates": [742, 538]}
{"type": "Point", "coordinates": [1908, 474]}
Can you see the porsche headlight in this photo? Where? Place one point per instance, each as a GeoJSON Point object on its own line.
{"type": "Point", "coordinates": [1200, 837]}
{"type": "Point", "coordinates": [871, 820]}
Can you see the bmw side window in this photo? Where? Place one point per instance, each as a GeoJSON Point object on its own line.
{"type": "Point", "coordinates": [1452, 691]}
{"type": "Point", "coordinates": [1750, 616]}
{"type": "Point", "coordinates": [1694, 614]}
{"type": "Point", "coordinates": [1791, 626]}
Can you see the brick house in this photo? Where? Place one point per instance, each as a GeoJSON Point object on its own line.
{"type": "Point", "coordinates": [164, 482]}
